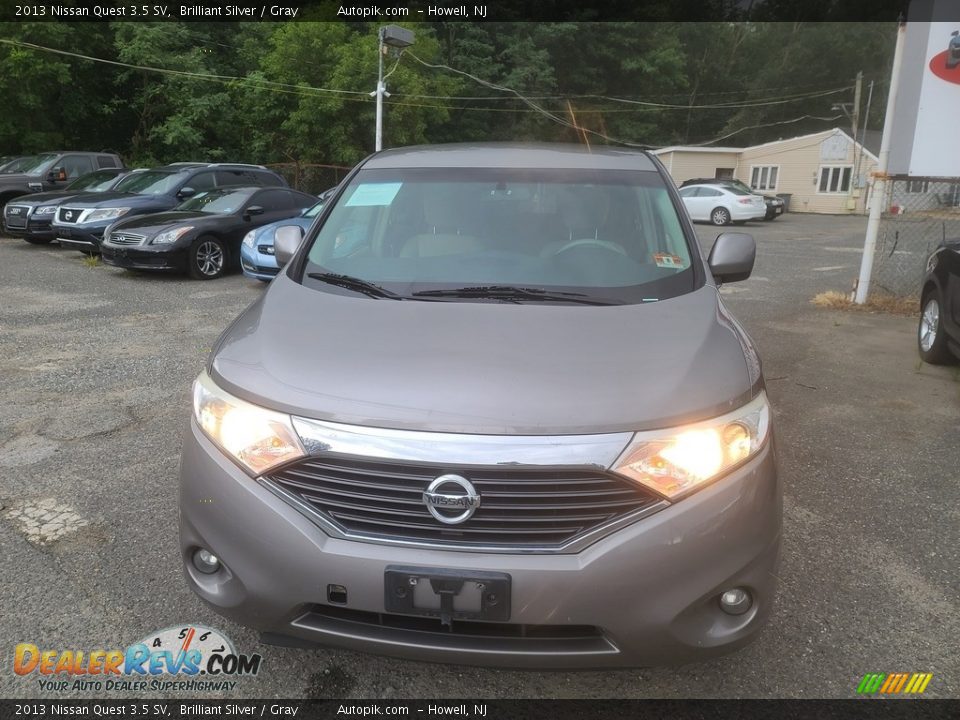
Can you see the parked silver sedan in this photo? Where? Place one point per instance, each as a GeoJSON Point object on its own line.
{"type": "Point", "coordinates": [722, 204]}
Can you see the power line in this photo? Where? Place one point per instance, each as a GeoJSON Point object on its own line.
{"type": "Point", "coordinates": [762, 125]}
{"type": "Point", "coordinates": [533, 105]}
{"type": "Point", "coordinates": [266, 84]}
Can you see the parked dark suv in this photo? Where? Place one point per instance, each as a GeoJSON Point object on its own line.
{"type": "Point", "coordinates": [773, 203]}
{"type": "Point", "coordinates": [80, 223]}
{"type": "Point", "coordinates": [52, 171]}
{"type": "Point", "coordinates": [30, 216]}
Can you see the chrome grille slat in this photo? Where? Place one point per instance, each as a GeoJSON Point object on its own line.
{"type": "Point", "coordinates": [452, 530]}
{"type": "Point", "coordinates": [123, 238]}
{"type": "Point", "coordinates": [521, 506]}
{"type": "Point", "coordinates": [480, 520]}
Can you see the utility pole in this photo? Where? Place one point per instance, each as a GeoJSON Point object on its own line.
{"type": "Point", "coordinates": [854, 121]}
{"type": "Point", "coordinates": [863, 132]}
{"type": "Point", "coordinates": [388, 36]}
{"type": "Point", "coordinates": [381, 90]}
{"type": "Point", "coordinates": [880, 175]}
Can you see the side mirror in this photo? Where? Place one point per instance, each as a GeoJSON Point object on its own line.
{"type": "Point", "coordinates": [732, 256]}
{"type": "Point", "coordinates": [186, 192]}
{"type": "Point", "coordinates": [254, 210]}
{"type": "Point", "coordinates": [955, 33]}
{"type": "Point", "coordinates": [286, 242]}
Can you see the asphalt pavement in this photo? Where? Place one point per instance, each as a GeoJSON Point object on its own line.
{"type": "Point", "coordinates": [95, 372]}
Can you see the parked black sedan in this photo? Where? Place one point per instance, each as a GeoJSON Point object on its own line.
{"type": "Point", "coordinates": [202, 235]}
{"type": "Point", "coordinates": [30, 216]}
{"type": "Point", "coordinates": [938, 335]}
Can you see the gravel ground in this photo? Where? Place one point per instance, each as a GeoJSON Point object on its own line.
{"type": "Point", "coordinates": [95, 371]}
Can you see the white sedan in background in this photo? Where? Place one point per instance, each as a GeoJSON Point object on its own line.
{"type": "Point", "coordinates": [721, 204]}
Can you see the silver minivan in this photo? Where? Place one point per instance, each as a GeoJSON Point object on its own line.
{"type": "Point", "coordinates": [492, 411]}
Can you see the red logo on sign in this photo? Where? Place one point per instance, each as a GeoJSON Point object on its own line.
{"type": "Point", "coordinates": [946, 65]}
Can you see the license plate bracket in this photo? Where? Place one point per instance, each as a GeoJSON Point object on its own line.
{"type": "Point", "coordinates": [447, 594]}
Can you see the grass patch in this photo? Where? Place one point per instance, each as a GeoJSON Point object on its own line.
{"type": "Point", "coordinates": [876, 303]}
{"type": "Point", "coordinates": [91, 261]}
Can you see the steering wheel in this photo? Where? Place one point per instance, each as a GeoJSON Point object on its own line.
{"type": "Point", "coordinates": [585, 242]}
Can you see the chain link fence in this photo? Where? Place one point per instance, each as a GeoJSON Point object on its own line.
{"type": "Point", "coordinates": [311, 178]}
{"type": "Point", "coordinates": [918, 214]}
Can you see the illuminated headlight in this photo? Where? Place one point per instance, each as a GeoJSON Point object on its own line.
{"type": "Point", "coordinates": [45, 210]}
{"type": "Point", "coordinates": [171, 236]}
{"type": "Point", "coordinates": [257, 438]}
{"type": "Point", "coordinates": [677, 461]}
{"type": "Point", "coordinates": [248, 239]}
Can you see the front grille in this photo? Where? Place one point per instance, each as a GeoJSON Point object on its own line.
{"type": "Point", "coordinates": [16, 216]}
{"type": "Point", "coordinates": [521, 506]}
{"type": "Point", "coordinates": [68, 215]}
{"type": "Point", "coordinates": [122, 238]}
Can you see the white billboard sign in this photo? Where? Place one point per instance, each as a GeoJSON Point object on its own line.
{"type": "Point", "coordinates": [925, 139]}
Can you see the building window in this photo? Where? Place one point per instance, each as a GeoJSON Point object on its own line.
{"type": "Point", "coordinates": [764, 177]}
{"type": "Point", "coordinates": [835, 178]}
{"type": "Point", "coordinates": [724, 173]}
{"type": "Point", "coordinates": [918, 186]}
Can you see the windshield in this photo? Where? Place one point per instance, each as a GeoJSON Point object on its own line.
{"type": "Point", "coordinates": [313, 210]}
{"type": "Point", "coordinates": [35, 165]}
{"type": "Point", "coordinates": [152, 182]}
{"type": "Point", "coordinates": [613, 235]}
{"type": "Point", "coordinates": [95, 182]}
{"type": "Point", "coordinates": [216, 201]}
{"type": "Point", "coordinates": [17, 164]}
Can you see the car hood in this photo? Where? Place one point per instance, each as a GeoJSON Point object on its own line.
{"type": "Point", "coordinates": [487, 368]}
{"type": "Point", "coordinates": [157, 222]}
{"type": "Point", "coordinates": [13, 178]}
{"type": "Point", "coordinates": [122, 199]}
{"type": "Point", "coordinates": [47, 198]}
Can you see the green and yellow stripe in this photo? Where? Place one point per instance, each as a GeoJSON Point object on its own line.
{"type": "Point", "coordinates": [894, 683]}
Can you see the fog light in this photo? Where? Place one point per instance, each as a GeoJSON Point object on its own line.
{"type": "Point", "coordinates": [736, 601]}
{"type": "Point", "coordinates": [205, 561]}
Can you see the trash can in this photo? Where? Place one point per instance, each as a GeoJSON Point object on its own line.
{"type": "Point", "coordinates": [786, 200]}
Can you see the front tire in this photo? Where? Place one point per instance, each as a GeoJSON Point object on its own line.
{"type": "Point", "coordinates": [207, 258]}
{"type": "Point", "coordinates": [720, 216]}
{"type": "Point", "coordinates": [931, 338]}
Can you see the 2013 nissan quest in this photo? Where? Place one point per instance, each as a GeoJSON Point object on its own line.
{"type": "Point", "coordinates": [512, 424]}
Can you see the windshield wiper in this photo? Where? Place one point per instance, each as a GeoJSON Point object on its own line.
{"type": "Point", "coordinates": [514, 294]}
{"type": "Point", "coordinates": [356, 284]}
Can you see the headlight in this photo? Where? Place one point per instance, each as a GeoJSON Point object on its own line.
{"type": "Point", "coordinates": [45, 210]}
{"type": "Point", "coordinates": [255, 437]}
{"type": "Point", "coordinates": [171, 236]}
{"type": "Point", "coordinates": [104, 214]}
{"type": "Point", "coordinates": [248, 239]}
{"type": "Point", "coordinates": [677, 461]}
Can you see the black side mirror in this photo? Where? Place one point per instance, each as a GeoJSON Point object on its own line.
{"type": "Point", "coordinates": [732, 256]}
{"type": "Point", "coordinates": [186, 192]}
{"type": "Point", "coordinates": [254, 210]}
{"type": "Point", "coordinates": [286, 242]}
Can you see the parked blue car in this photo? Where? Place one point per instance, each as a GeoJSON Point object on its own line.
{"type": "Point", "coordinates": [256, 252]}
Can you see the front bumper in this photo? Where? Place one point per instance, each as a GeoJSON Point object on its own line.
{"type": "Point", "coordinates": [33, 227]}
{"type": "Point", "coordinates": [257, 265]}
{"type": "Point", "coordinates": [650, 589]}
{"type": "Point", "coordinates": [85, 238]}
{"type": "Point", "coordinates": [139, 257]}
